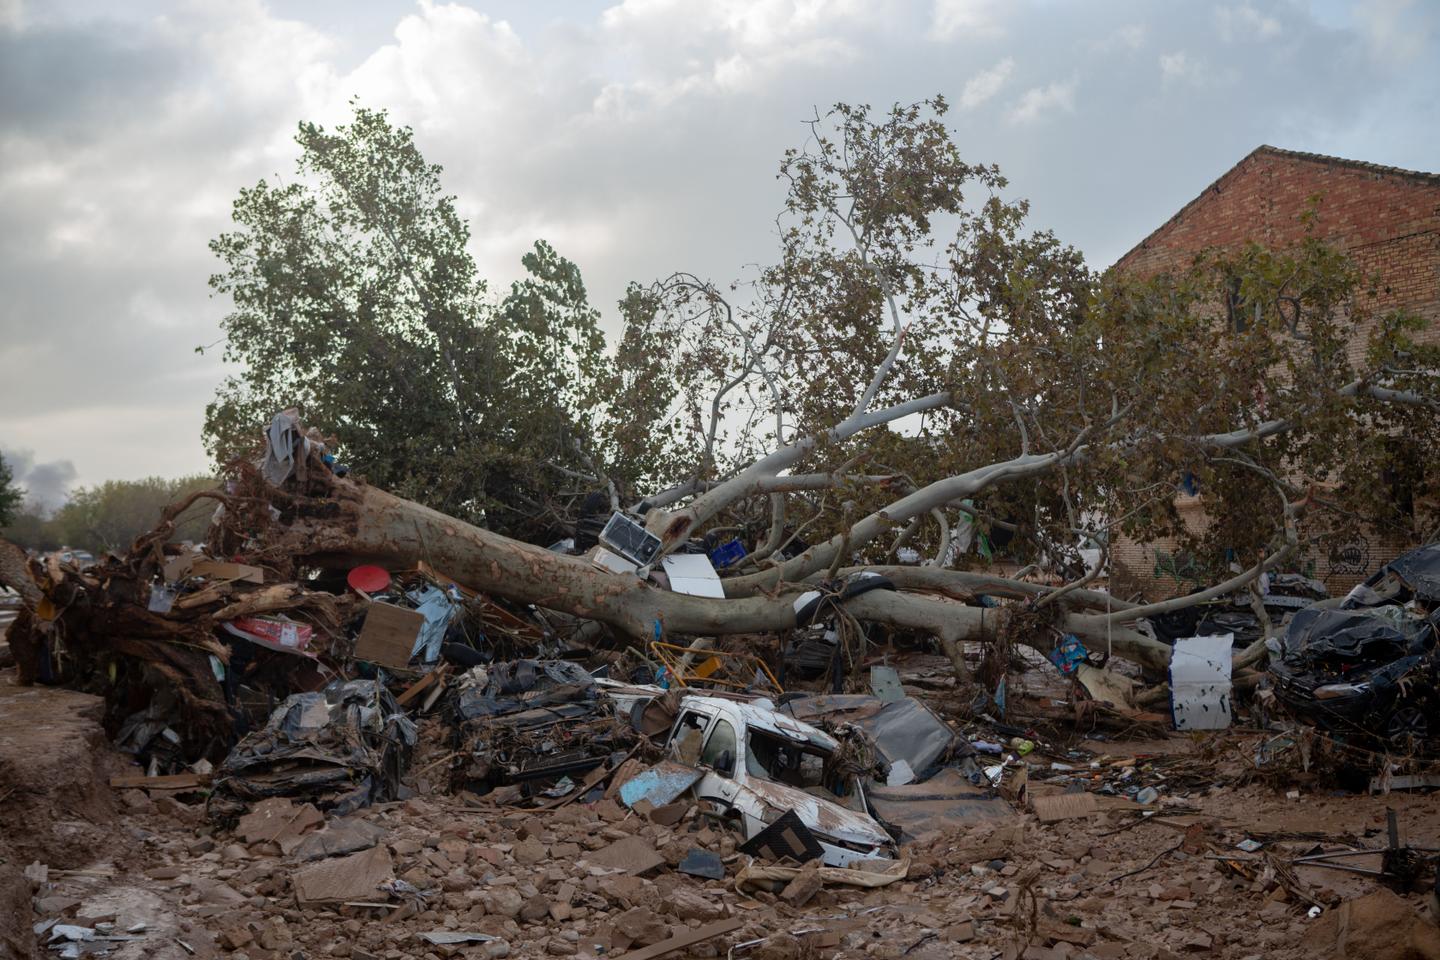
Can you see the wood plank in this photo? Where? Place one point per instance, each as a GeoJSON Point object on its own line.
{"type": "Point", "coordinates": [419, 686]}
{"type": "Point", "coordinates": [687, 939]}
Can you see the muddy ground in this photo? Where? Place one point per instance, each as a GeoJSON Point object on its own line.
{"type": "Point", "coordinates": [1114, 883]}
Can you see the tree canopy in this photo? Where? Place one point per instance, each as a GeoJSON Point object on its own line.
{"type": "Point", "coordinates": [355, 299]}
{"type": "Point", "coordinates": [11, 495]}
{"type": "Point", "coordinates": [1031, 396]}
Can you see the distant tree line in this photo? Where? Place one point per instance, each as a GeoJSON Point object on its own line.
{"type": "Point", "coordinates": [107, 516]}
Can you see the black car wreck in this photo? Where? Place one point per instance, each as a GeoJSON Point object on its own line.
{"type": "Point", "coordinates": [1368, 668]}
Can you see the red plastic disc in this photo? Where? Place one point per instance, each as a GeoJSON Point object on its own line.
{"type": "Point", "coordinates": [368, 579]}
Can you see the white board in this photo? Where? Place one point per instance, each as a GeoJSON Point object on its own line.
{"type": "Point", "coordinates": [693, 573]}
{"type": "Point", "coordinates": [1200, 682]}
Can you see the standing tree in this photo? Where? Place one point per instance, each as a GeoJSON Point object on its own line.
{"type": "Point", "coordinates": [11, 496]}
{"type": "Point", "coordinates": [356, 300]}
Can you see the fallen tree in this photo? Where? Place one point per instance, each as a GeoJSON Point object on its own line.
{"type": "Point", "coordinates": [888, 387]}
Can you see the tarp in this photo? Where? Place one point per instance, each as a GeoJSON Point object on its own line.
{"type": "Point", "coordinates": [521, 685]}
{"type": "Point", "coordinates": [1378, 635]}
{"type": "Point", "coordinates": [867, 873]}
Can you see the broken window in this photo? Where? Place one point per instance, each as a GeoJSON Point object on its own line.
{"type": "Point", "coordinates": [688, 736]}
{"type": "Point", "coordinates": [1401, 475]}
{"type": "Point", "coordinates": [719, 752]}
{"type": "Point", "coordinates": [795, 764]}
{"type": "Point", "coordinates": [1237, 307]}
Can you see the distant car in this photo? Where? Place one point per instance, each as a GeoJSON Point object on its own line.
{"type": "Point", "coordinates": [79, 558]}
{"type": "Point", "coordinates": [1370, 668]}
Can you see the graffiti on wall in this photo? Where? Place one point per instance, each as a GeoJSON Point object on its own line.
{"type": "Point", "coordinates": [1351, 557]}
{"type": "Point", "coordinates": [1180, 566]}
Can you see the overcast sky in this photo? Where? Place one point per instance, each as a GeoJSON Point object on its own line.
{"type": "Point", "coordinates": [638, 137]}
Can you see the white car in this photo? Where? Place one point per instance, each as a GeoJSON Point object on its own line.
{"type": "Point", "coordinates": [758, 764]}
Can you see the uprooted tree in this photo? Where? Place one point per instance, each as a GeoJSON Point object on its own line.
{"type": "Point", "coordinates": [917, 362]}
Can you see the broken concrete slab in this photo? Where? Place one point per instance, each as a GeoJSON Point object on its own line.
{"type": "Point", "coordinates": [356, 877]}
{"type": "Point", "coordinates": [1064, 806]}
{"type": "Point", "coordinates": [347, 835]}
{"type": "Point", "coordinates": [278, 820]}
{"type": "Point", "coordinates": [634, 855]}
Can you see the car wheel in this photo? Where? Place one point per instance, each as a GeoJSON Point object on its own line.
{"type": "Point", "coordinates": [1408, 727]}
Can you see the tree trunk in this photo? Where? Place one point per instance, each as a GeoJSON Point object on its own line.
{"type": "Point", "coordinates": [384, 529]}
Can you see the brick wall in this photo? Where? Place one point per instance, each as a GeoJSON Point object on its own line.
{"type": "Point", "coordinates": [1387, 220]}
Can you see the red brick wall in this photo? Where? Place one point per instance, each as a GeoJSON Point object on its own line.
{"type": "Point", "coordinates": [1389, 223]}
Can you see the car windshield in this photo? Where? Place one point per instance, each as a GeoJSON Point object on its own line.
{"type": "Point", "coordinates": [798, 765]}
{"type": "Point", "coordinates": [1388, 589]}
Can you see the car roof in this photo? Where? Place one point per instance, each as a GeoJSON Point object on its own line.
{"type": "Point", "coordinates": [761, 717]}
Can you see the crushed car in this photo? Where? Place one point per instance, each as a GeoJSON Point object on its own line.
{"type": "Point", "coordinates": [1368, 668]}
{"type": "Point", "coordinates": [758, 765]}
{"type": "Point", "coordinates": [340, 748]}
{"type": "Point", "coordinates": [532, 723]}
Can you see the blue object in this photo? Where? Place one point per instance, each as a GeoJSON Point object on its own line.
{"type": "Point", "coordinates": [436, 607]}
{"type": "Point", "coordinates": [727, 553]}
{"type": "Point", "coordinates": [1068, 654]}
{"type": "Point", "coordinates": [1000, 697]}
{"type": "Point", "coordinates": [661, 784]}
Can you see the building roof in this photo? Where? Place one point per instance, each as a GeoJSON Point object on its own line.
{"type": "Point", "coordinates": [1266, 150]}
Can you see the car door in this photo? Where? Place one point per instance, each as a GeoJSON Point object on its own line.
{"type": "Point", "coordinates": [720, 759]}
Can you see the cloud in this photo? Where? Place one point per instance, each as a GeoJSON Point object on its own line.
{"type": "Point", "coordinates": [12, 14]}
{"type": "Point", "coordinates": [1037, 102]}
{"type": "Point", "coordinates": [47, 484]}
{"type": "Point", "coordinates": [986, 84]}
{"type": "Point", "coordinates": [1244, 22]}
{"type": "Point", "coordinates": [967, 19]}
{"type": "Point", "coordinates": [1178, 66]}
{"type": "Point", "coordinates": [1400, 30]}
{"type": "Point", "coordinates": [1132, 35]}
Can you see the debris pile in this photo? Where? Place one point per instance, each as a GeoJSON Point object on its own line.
{"type": "Point", "coordinates": [336, 748]}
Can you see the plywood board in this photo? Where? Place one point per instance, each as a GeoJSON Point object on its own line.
{"type": "Point", "coordinates": [388, 635]}
{"type": "Point", "coordinates": [1064, 806]}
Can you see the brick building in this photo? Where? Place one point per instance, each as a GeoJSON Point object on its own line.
{"type": "Point", "coordinates": [1386, 219]}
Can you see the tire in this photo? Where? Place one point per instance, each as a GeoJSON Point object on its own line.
{"type": "Point", "coordinates": [1409, 727]}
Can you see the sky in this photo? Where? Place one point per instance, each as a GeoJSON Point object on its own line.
{"type": "Point", "coordinates": [638, 137]}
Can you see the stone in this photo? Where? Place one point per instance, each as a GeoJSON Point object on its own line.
{"type": "Point", "coordinates": [530, 852]}
{"type": "Point", "coordinates": [689, 904]}
{"type": "Point", "coordinates": [639, 925]}
{"type": "Point", "coordinates": [805, 885]}
{"type": "Point", "coordinates": [503, 902]}
{"type": "Point", "coordinates": [536, 908]}
{"type": "Point", "coordinates": [236, 938]}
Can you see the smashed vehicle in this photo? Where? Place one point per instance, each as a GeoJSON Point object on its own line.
{"type": "Point", "coordinates": [342, 748]}
{"type": "Point", "coordinates": [759, 765]}
{"type": "Point", "coordinates": [1369, 667]}
{"type": "Point", "coordinates": [533, 723]}
{"type": "Point", "coordinates": [1283, 594]}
